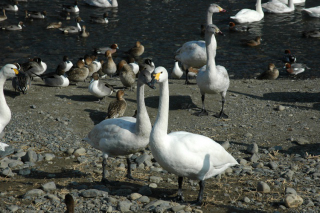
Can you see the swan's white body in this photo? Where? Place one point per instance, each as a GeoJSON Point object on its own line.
{"type": "Point", "coordinates": [125, 135]}
{"type": "Point", "coordinates": [193, 53]}
{"type": "Point", "coordinates": [276, 6]}
{"type": "Point", "coordinates": [8, 71]}
{"type": "Point", "coordinates": [248, 15]}
{"type": "Point", "coordinates": [182, 153]}
{"type": "Point", "coordinates": [313, 11]}
{"type": "Point", "coordinates": [294, 1]}
{"type": "Point", "coordinates": [3, 146]}
{"type": "Point", "coordinates": [102, 3]}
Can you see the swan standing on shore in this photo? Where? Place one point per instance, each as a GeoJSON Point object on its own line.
{"type": "Point", "coordinates": [248, 15]}
{"type": "Point", "coordinates": [183, 153]}
{"type": "Point", "coordinates": [212, 79]}
{"type": "Point", "coordinates": [125, 135]}
{"type": "Point", "coordinates": [193, 53]}
{"type": "Point", "coordinates": [8, 71]}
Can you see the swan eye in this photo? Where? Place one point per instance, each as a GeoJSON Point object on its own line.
{"type": "Point", "coordinates": [161, 72]}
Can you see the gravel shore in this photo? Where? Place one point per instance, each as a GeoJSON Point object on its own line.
{"type": "Point", "coordinates": [272, 130]}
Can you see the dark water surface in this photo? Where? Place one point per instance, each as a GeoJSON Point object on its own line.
{"type": "Point", "coordinates": [162, 26]}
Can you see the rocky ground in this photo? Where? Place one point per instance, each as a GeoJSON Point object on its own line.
{"type": "Point", "coordinates": [272, 130]}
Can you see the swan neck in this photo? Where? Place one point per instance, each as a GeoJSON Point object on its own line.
{"type": "Point", "coordinates": [161, 124]}
{"type": "Point", "coordinates": [143, 124]}
{"type": "Point", "coordinates": [209, 17]}
{"type": "Point", "coordinates": [291, 5]}
{"type": "Point", "coordinates": [211, 46]}
{"type": "Point", "coordinates": [259, 7]}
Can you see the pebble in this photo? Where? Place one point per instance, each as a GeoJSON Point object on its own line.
{"type": "Point", "coordinates": [263, 187]}
{"type": "Point", "coordinates": [253, 148]}
{"type": "Point", "coordinates": [281, 108]}
{"type": "Point", "coordinates": [135, 196]}
{"type": "Point", "coordinates": [31, 156]}
{"type": "Point", "coordinates": [49, 186]}
{"type": "Point", "coordinates": [293, 201]}
{"type": "Point", "coordinates": [144, 199]}
{"type": "Point", "coordinates": [290, 190]}
{"type": "Point", "coordinates": [34, 193]}
{"type": "Point", "coordinates": [155, 179]}
{"type": "Point", "coordinates": [302, 141]}
{"type": "Point", "coordinates": [79, 152]}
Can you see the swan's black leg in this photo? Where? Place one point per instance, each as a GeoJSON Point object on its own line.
{"type": "Point", "coordinates": [104, 171]}
{"type": "Point", "coordinates": [200, 196]}
{"type": "Point", "coordinates": [187, 77]}
{"type": "Point", "coordinates": [203, 111]}
{"type": "Point", "coordinates": [180, 193]}
{"type": "Point", "coordinates": [222, 114]}
{"type": "Point", "coordinates": [129, 176]}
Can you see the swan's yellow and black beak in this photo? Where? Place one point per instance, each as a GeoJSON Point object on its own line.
{"type": "Point", "coordinates": [157, 76]}
{"type": "Point", "coordinates": [222, 10]}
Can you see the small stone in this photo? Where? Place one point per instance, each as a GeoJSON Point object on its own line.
{"type": "Point", "coordinates": [70, 151]}
{"type": "Point", "coordinates": [253, 148]}
{"type": "Point", "coordinates": [226, 145]}
{"type": "Point", "coordinates": [246, 199]}
{"type": "Point", "coordinates": [290, 190]}
{"type": "Point", "coordinates": [8, 150]}
{"type": "Point", "coordinates": [24, 172]}
{"type": "Point", "coordinates": [263, 187]}
{"type": "Point", "coordinates": [79, 152]}
{"type": "Point", "coordinates": [13, 208]}
{"type": "Point", "coordinates": [142, 158]}
{"type": "Point", "coordinates": [248, 135]}
{"type": "Point", "coordinates": [302, 141]}
{"type": "Point", "coordinates": [153, 185]}
{"type": "Point", "coordinates": [124, 206]}
{"type": "Point", "coordinates": [273, 165]}
{"type": "Point", "coordinates": [243, 162]}
{"type": "Point", "coordinates": [31, 156]}
{"type": "Point", "coordinates": [178, 208]}
{"type": "Point", "coordinates": [254, 158]}
{"type": "Point", "coordinates": [281, 108]}
{"type": "Point", "coordinates": [33, 107]}
{"type": "Point", "coordinates": [155, 179]}
{"type": "Point", "coordinates": [144, 199]}
{"type": "Point", "coordinates": [135, 196]}
{"type": "Point", "coordinates": [145, 190]}
{"type": "Point", "coordinates": [7, 172]}
{"type": "Point", "coordinates": [91, 193]}
{"type": "Point", "coordinates": [293, 201]}
{"type": "Point", "coordinates": [49, 157]}
{"type": "Point", "coordinates": [289, 175]}
{"type": "Point", "coordinates": [53, 197]}
{"type": "Point", "coordinates": [34, 193]}
{"type": "Point", "coordinates": [49, 186]}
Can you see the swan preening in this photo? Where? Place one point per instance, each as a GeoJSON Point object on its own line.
{"type": "Point", "coordinates": [247, 15]}
{"type": "Point", "coordinates": [125, 135]}
{"type": "Point", "coordinates": [212, 79]}
{"type": "Point", "coordinates": [183, 153]}
{"type": "Point", "coordinates": [193, 53]}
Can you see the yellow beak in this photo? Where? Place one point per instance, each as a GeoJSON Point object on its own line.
{"type": "Point", "coordinates": [16, 71]}
{"type": "Point", "coordinates": [157, 76]}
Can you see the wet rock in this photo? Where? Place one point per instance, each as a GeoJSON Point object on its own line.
{"type": "Point", "coordinates": [49, 186]}
{"type": "Point", "coordinates": [293, 201]}
{"type": "Point", "coordinates": [263, 187]}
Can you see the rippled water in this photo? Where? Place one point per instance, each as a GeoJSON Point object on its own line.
{"type": "Point", "coordinates": [163, 26]}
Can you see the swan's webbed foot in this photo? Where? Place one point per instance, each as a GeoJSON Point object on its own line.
{"type": "Point", "coordinates": [129, 176]}
{"type": "Point", "coordinates": [203, 112]}
{"type": "Point", "coordinates": [179, 198]}
{"type": "Point", "coordinates": [221, 115]}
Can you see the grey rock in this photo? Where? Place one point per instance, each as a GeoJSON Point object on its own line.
{"type": "Point", "coordinates": [293, 201]}
{"type": "Point", "coordinates": [70, 151]}
{"type": "Point", "coordinates": [273, 165]}
{"type": "Point", "coordinates": [3, 164]}
{"type": "Point", "coordinates": [31, 156]}
{"type": "Point", "coordinates": [135, 196]}
{"type": "Point", "coordinates": [246, 199]}
{"type": "Point", "coordinates": [263, 187]}
{"type": "Point", "coordinates": [288, 175]}
{"type": "Point", "coordinates": [290, 190]}
{"type": "Point", "coordinates": [24, 172]}
{"type": "Point", "coordinates": [49, 186]}
{"type": "Point", "coordinates": [14, 163]}
{"type": "Point", "coordinates": [155, 179]}
{"type": "Point", "coordinates": [92, 193]}
{"type": "Point", "coordinates": [281, 108]}
{"type": "Point", "coordinates": [49, 157]}
{"type": "Point", "coordinates": [254, 158]}
{"type": "Point", "coordinates": [8, 150]}
{"type": "Point", "coordinates": [145, 190]}
{"type": "Point", "coordinates": [302, 141]}
{"type": "Point", "coordinates": [79, 152]}
{"type": "Point", "coordinates": [13, 208]}
{"type": "Point", "coordinates": [153, 185]}
{"type": "Point", "coordinates": [124, 206]}
{"type": "Point", "coordinates": [253, 148]}
{"type": "Point", "coordinates": [142, 158]}
{"type": "Point", "coordinates": [178, 208]}
{"type": "Point", "coordinates": [7, 172]}
{"type": "Point", "coordinates": [144, 199]}
{"type": "Point", "coordinates": [34, 193]}
{"type": "Point", "coordinates": [243, 162]}
{"type": "Point", "coordinates": [53, 197]}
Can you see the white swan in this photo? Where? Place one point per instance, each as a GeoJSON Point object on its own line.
{"type": "Point", "coordinates": [212, 79]}
{"type": "Point", "coordinates": [125, 135]}
{"type": "Point", "coordinates": [102, 3]}
{"type": "Point", "coordinates": [313, 11]}
{"type": "Point", "coordinates": [193, 53]}
{"type": "Point", "coordinates": [248, 15]}
{"type": "Point", "coordinates": [8, 71]}
{"type": "Point", "coordinates": [183, 153]}
{"type": "Point", "coordinates": [275, 6]}
{"type": "Point", "coordinates": [294, 1]}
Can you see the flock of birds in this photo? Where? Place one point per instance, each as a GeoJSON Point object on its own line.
{"type": "Point", "coordinates": [118, 135]}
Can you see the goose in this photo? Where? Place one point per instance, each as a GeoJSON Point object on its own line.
{"type": "Point", "coordinates": [275, 6]}
{"type": "Point", "coordinates": [182, 153]}
{"type": "Point", "coordinates": [14, 27]}
{"type": "Point", "coordinates": [125, 135]}
{"type": "Point", "coordinates": [78, 73]}
{"type": "Point", "coordinates": [127, 76]}
{"type": "Point", "coordinates": [10, 7]}
{"type": "Point", "coordinates": [288, 57]}
{"type": "Point", "coordinates": [54, 25]}
{"type": "Point", "coordinates": [36, 14]}
{"type": "Point", "coordinates": [98, 88]}
{"type": "Point", "coordinates": [271, 74]}
{"type": "Point", "coordinates": [248, 15]}
{"type": "Point", "coordinates": [102, 3]}
{"type": "Point", "coordinates": [4, 16]}
{"type": "Point", "coordinates": [69, 201]}
{"type": "Point", "coordinates": [312, 11]}
{"type": "Point", "coordinates": [21, 82]}
{"type": "Point", "coordinates": [35, 67]}
{"type": "Point", "coordinates": [117, 107]}
{"type": "Point", "coordinates": [109, 67]}
{"type": "Point", "coordinates": [311, 34]}
{"type": "Point", "coordinates": [136, 50]}
{"type": "Point", "coordinates": [295, 68]}
{"type": "Point", "coordinates": [102, 50]}
{"type": "Point", "coordinates": [234, 28]}
{"type": "Point", "coordinates": [100, 20]}
{"type": "Point", "coordinates": [212, 79]}
{"type": "Point", "coordinates": [84, 33]}
{"type": "Point", "coordinates": [72, 29]}
{"type": "Point", "coordinates": [252, 42]}
{"type": "Point", "coordinates": [7, 71]}
{"type": "Point", "coordinates": [71, 8]}
{"type": "Point", "coordinates": [193, 53]}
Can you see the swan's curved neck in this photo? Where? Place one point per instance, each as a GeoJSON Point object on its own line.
{"type": "Point", "coordinates": [211, 46]}
{"type": "Point", "coordinates": [160, 127]}
{"type": "Point", "coordinates": [209, 17]}
{"type": "Point", "coordinates": [4, 109]}
{"type": "Point", "coordinates": [143, 124]}
{"type": "Point", "coordinates": [259, 7]}
{"type": "Point", "coordinates": [291, 5]}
